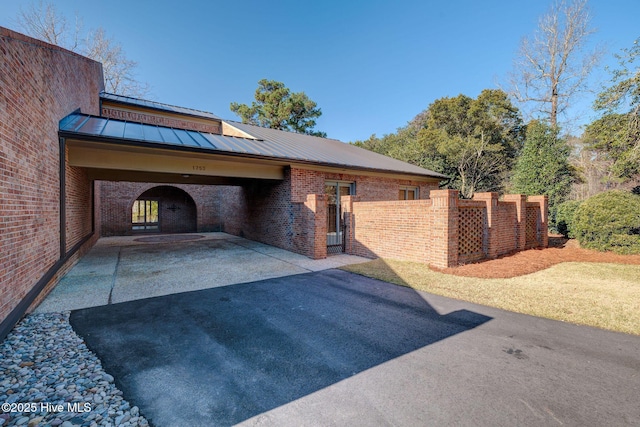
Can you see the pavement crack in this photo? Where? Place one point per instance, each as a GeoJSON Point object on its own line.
{"type": "Point", "coordinates": [115, 275]}
{"type": "Point", "coordinates": [533, 411]}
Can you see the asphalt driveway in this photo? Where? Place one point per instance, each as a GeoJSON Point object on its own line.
{"type": "Point", "coordinates": [334, 348]}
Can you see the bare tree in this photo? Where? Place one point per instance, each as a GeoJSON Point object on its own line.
{"type": "Point", "coordinates": [593, 170]}
{"type": "Point", "coordinates": [553, 65]}
{"type": "Point", "coordinates": [117, 68]}
{"type": "Point", "coordinates": [44, 22]}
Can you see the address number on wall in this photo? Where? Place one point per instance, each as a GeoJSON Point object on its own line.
{"type": "Point", "coordinates": [198, 168]}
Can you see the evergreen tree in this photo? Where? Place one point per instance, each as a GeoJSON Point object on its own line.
{"type": "Point", "coordinates": [276, 107]}
{"type": "Point", "coordinates": [543, 166]}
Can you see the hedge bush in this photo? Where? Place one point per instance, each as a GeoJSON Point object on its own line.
{"type": "Point", "coordinates": [609, 221]}
{"type": "Point", "coordinates": [564, 217]}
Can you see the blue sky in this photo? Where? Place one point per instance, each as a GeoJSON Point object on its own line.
{"type": "Point", "coordinates": [370, 65]}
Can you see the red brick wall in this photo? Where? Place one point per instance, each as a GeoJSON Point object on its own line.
{"type": "Point", "coordinates": [211, 203]}
{"type": "Point", "coordinates": [78, 195]}
{"type": "Point", "coordinates": [281, 213]}
{"type": "Point", "coordinates": [116, 201]}
{"type": "Point", "coordinates": [507, 228]}
{"type": "Point", "coordinates": [75, 257]}
{"type": "Point", "coordinates": [40, 84]}
{"type": "Point", "coordinates": [376, 188]}
{"type": "Point", "coordinates": [443, 231]}
{"type": "Point", "coordinates": [233, 209]}
{"type": "Point", "coordinates": [269, 214]}
{"type": "Point", "coordinates": [306, 182]}
{"type": "Point", "coordinates": [368, 188]}
{"type": "Point", "coordinates": [397, 230]}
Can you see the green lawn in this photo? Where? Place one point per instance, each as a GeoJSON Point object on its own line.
{"type": "Point", "coordinates": [602, 295]}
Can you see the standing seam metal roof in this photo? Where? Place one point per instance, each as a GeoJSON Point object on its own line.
{"type": "Point", "coordinates": [270, 143]}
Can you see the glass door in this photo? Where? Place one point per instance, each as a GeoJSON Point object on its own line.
{"type": "Point", "coordinates": [144, 215]}
{"type": "Point", "coordinates": [335, 190]}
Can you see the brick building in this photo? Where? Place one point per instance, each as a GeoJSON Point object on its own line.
{"type": "Point", "coordinates": [77, 163]}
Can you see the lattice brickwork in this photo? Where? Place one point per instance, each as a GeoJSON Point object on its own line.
{"type": "Point", "coordinates": [471, 233]}
{"type": "Point", "coordinates": [533, 215]}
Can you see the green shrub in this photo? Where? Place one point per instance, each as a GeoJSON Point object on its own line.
{"type": "Point", "coordinates": [609, 221]}
{"type": "Point", "coordinates": [564, 217]}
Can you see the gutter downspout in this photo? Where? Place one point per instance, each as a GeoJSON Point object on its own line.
{"type": "Point", "coordinates": [63, 197]}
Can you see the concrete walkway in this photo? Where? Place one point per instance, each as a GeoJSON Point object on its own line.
{"type": "Point", "coordinates": [119, 269]}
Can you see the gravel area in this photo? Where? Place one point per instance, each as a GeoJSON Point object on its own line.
{"type": "Point", "coordinates": [48, 377]}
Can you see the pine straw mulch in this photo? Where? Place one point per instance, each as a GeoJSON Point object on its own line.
{"type": "Point", "coordinates": [532, 260]}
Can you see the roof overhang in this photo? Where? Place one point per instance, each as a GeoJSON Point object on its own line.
{"type": "Point", "coordinates": [118, 150]}
{"type": "Point", "coordinates": [104, 156]}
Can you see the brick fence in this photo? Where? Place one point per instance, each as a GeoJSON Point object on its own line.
{"type": "Point", "coordinates": [445, 231]}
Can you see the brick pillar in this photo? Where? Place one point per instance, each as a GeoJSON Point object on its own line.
{"type": "Point", "coordinates": [317, 208]}
{"type": "Point", "coordinates": [520, 201]}
{"type": "Point", "coordinates": [543, 229]}
{"type": "Point", "coordinates": [491, 227]}
{"type": "Point", "coordinates": [346, 204]}
{"type": "Point", "coordinates": [444, 233]}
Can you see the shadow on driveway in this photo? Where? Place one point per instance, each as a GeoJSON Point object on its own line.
{"type": "Point", "coordinates": [223, 355]}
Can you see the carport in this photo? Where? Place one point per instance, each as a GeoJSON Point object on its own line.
{"type": "Point", "coordinates": [109, 150]}
{"type": "Point", "coordinates": [116, 150]}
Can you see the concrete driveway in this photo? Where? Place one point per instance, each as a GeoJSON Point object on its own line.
{"type": "Point", "coordinates": [119, 269]}
{"type": "Point", "coordinates": [334, 348]}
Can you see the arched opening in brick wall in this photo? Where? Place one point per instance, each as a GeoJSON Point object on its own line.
{"type": "Point", "coordinates": [164, 209]}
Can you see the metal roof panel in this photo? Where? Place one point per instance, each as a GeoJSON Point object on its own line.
{"type": "Point", "coordinates": [134, 131]}
{"type": "Point", "coordinates": [168, 136]}
{"type": "Point", "coordinates": [201, 140]}
{"type": "Point", "coordinates": [114, 128]}
{"type": "Point", "coordinates": [152, 133]}
{"type": "Point", "coordinates": [185, 138]}
{"type": "Point", "coordinates": [92, 125]}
